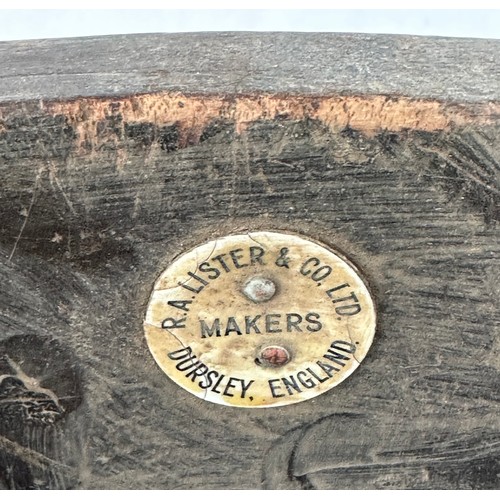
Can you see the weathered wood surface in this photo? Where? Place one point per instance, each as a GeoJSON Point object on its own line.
{"type": "Point", "coordinates": [118, 153]}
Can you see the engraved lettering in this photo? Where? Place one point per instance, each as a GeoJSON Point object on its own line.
{"type": "Point", "coordinates": [273, 388]}
{"type": "Point", "coordinates": [205, 267]}
{"type": "Point", "coordinates": [180, 304]}
{"type": "Point", "coordinates": [314, 324]}
{"type": "Point", "coordinates": [293, 321]}
{"type": "Point", "coordinates": [342, 345]}
{"type": "Point", "coordinates": [306, 266]}
{"type": "Point", "coordinates": [269, 323]}
{"type": "Point", "coordinates": [250, 323]}
{"type": "Point", "coordinates": [190, 288]}
{"type": "Point", "coordinates": [209, 331]}
{"type": "Point", "coordinates": [336, 357]}
{"type": "Point", "coordinates": [221, 261]}
{"type": "Point", "coordinates": [283, 260]}
{"type": "Point", "coordinates": [232, 326]}
{"type": "Point", "coordinates": [169, 323]}
{"type": "Point", "coordinates": [331, 291]}
{"type": "Point", "coordinates": [291, 384]}
{"type": "Point", "coordinates": [272, 323]}
{"type": "Point", "coordinates": [230, 385]}
{"type": "Point", "coordinates": [351, 296]}
{"type": "Point", "coordinates": [306, 381]}
{"type": "Point", "coordinates": [319, 379]}
{"type": "Point", "coordinates": [197, 278]}
{"type": "Point", "coordinates": [328, 369]}
{"type": "Point", "coordinates": [198, 372]}
{"type": "Point", "coordinates": [256, 254]}
{"type": "Point", "coordinates": [185, 364]}
{"type": "Point", "coordinates": [321, 273]}
{"type": "Point", "coordinates": [236, 258]}
{"type": "Point", "coordinates": [245, 387]}
{"type": "Point", "coordinates": [180, 353]}
{"type": "Point", "coordinates": [214, 388]}
{"type": "Point", "coordinates": [348, 310]}
{"type": "Point", "coordinates": [208, 380]}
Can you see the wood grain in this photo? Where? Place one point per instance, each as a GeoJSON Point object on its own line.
{"type": "Point", "coordinates": [384, 147]}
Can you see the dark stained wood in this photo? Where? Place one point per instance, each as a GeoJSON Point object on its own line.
{"type": "Point", "coordinates": [458, 69]}
{"type": "Point", "coordinates": [118, 153]}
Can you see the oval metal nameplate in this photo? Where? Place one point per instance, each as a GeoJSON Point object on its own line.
{"type": "Point", "coordinates": [260, 319]}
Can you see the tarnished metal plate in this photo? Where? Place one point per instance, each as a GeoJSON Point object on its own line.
{"type": "Point", "coordinates": [260, 319]}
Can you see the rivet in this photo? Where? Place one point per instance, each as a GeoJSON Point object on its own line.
{"type": "Point", "coordinates": [273, 356]}
{"type": "Point", "coordinates": [259, 289]}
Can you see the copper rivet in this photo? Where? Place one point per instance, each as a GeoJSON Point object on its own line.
{"type": "Point", "coordinates": [273, 356]}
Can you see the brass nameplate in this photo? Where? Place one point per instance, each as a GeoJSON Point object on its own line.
{"type": "Point", "coordinates": [260, 319]}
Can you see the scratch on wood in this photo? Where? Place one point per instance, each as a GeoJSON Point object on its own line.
{"type": "Point", "coordinates": [32, 457]}
{"type": "Point", "coordinates": [53, 178]}
{"type": "Point", "coordinates": [470, 175]}
{"type": "Point", "coordinates": [26, 217]}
